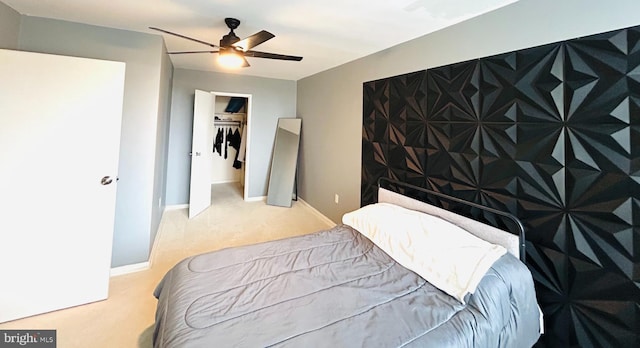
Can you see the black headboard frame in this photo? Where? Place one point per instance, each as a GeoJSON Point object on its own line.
{"type": "Point", "coordinates": [514, 227]}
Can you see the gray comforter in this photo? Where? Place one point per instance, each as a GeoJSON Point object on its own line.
{"type": "Point", "coordinates": [335, 288]}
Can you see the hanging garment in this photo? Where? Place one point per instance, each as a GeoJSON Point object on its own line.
{"type": "Point", "coordinates": [235, 141]}
{"type": "Point", "coordinates": [226, 143]}
{"type": "Point", "coordinates": [243, 145]}
{"type": "Point", "coordinates": [217, 144]}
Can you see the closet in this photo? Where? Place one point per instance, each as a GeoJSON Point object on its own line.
{"type": "Point", "coordinates": [219, 149]}
{"type": "Point", "coordinates": [229, 123]}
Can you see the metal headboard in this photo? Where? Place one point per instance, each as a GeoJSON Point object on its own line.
{"type": "Point", "coordinates": [518, 229]}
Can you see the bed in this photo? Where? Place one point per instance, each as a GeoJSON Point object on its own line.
{"type": "Point", "coordinates": [385, 277]}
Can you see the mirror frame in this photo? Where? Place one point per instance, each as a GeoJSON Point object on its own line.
{"type": "Point", "coordinates": [284, 162]}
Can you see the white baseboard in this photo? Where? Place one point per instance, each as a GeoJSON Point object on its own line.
{"type": "Point", "coordinates": [156, 241]}
{"type": "Point", "coordinates": [328, 221]}
{"type": "Point", "coordinates": [256, 199]}
{"type": "Point", "coordinates": [228, 181]}
{"type": "Point", "coordinates": [176, 207]}
{"type": "Point", "coordinates": [143, 266]}
{"type": "Point", "coordinates": [136, 267]}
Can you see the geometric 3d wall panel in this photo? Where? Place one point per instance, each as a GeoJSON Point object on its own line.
{"type": "Point", "coordinates": [550, 134]}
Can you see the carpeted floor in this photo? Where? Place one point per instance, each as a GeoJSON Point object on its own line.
{"type": "Point", "coordinates": [126, 318]}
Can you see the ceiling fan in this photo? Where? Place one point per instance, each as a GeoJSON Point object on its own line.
{"type": "Point", "coordinates": [232, 48]}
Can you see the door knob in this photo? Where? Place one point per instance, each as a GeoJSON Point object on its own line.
{"type": "Point", "coordinates": [106, 180]}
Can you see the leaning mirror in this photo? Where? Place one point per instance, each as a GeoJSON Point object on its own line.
{"type": "Point", "coordinates": [284, 162]}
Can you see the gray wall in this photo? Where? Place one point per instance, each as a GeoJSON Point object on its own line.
{"type": "Point", "coordinates": [271, 98]}
{"type": "Point", "coordinates": [330, 103]}
{"type": "Point", "coordinates": [9, 27]}
{"type": "Point", "coordinates": [144, 119]}
{"type": "Point", "coordinates": [162, 144]}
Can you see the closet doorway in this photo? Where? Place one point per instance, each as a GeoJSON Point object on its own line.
{"type": "Point", "coordinates": [220, 146]}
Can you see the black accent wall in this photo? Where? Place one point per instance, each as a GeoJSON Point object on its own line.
{"type": "Point", "coordinates": [550, 134]}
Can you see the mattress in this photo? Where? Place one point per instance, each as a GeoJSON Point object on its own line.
{"type": "Point", "coordinates": [335, 288]}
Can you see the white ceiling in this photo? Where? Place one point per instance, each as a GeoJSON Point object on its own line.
{"type": "Point", "coordinates": [327, 33]}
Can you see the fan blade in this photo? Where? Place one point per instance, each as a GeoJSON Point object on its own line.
{"type": "Point", "coordinates": [253, 40]}
{"type": "Point", "coordinates": [271, 56]}
{"type": "Point", "coordinates": [187, 52]}
{"type": "Point", "coordinates": [182, 36]}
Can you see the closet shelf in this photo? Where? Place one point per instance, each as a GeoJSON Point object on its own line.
{"type": "Point", "coordinates": [227, 123]}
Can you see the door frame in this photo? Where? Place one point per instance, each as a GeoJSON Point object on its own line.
{"type": "Point", "coordinates": [247, 156]}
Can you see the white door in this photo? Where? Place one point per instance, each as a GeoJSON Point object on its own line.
{"type": "Point", "coordinates": [201, 153]}
{"type": "Point", "coordinates": [59, 136]}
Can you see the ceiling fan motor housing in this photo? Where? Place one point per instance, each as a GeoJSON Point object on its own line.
{"type": "Point", "coordinates": [230, 38]}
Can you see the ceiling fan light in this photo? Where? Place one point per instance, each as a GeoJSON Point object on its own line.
{"type": "Point", "coordinates": [230, 59]}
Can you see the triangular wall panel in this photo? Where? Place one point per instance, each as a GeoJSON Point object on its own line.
{"type": "Point", "coordinates": [550, 134]}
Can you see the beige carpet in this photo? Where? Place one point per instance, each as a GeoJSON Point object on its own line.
{"type": "Point", "coordinates": [126, 318]}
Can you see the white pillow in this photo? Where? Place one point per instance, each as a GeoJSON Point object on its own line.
{"type": "Point", "coordinates": [442, 253]}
